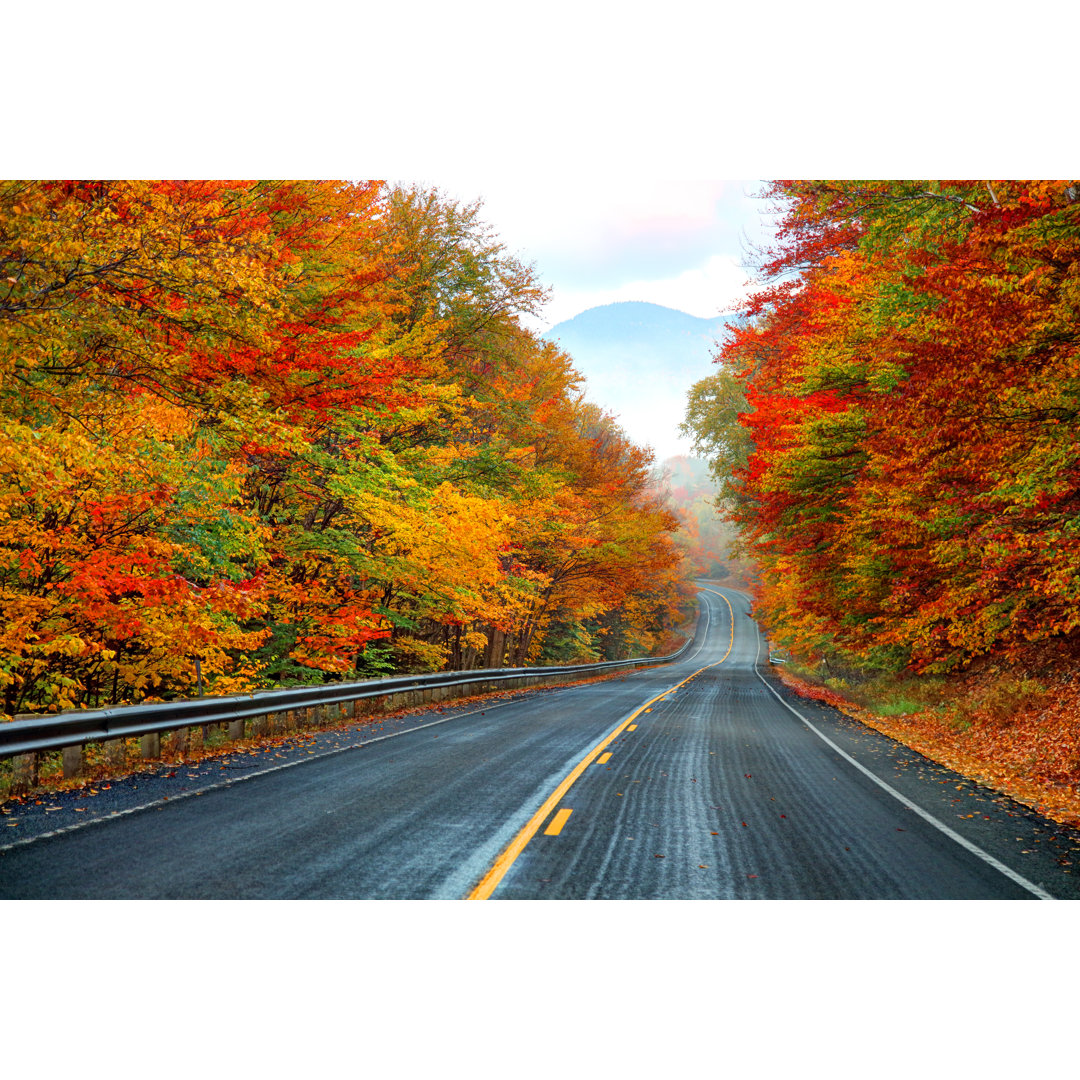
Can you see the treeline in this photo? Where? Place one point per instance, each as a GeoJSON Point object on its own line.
{"type": "Point", "coordinates": [707, 541]}
{"type": "Point", "coordinates": [896, 428]}
{"type": "Point", "coordinates": [288, 431]}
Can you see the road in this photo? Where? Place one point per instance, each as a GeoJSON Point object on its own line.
{"type": "Point", "coordinates": [695, 780]}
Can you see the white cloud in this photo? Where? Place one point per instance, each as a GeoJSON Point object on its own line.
{"type": "Point", "coordinates": [718, 286]}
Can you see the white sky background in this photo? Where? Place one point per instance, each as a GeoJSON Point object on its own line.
{"type": "Point", "coordinates": [599, 135]}
{"type": "Point", "coordinates": [680, 242]}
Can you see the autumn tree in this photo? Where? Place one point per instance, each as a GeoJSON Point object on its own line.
{"type": "Point", "coordinates": [288, 431]}
{"type": "Point", "coordinates": [910, 376]}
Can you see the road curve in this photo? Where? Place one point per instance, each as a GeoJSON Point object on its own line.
{"type": "Point", "coordinates": [702, 779]}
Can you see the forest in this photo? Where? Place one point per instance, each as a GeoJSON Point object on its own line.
{"type": "Point", "coordinates": [268, 433]}
{"type": "Point", "coordinates": [894, 431]}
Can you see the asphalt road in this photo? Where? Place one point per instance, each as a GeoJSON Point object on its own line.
{"type": "Point", "coordinates": [695, 780]}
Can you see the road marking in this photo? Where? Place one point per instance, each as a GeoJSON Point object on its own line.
{"type": "Point", "coordinates": [632, 727]}
{"type": "Point", "coordinates": [974, 849]}
{"type": "Point", "coordinates": [603, 759]}
{"type": "Point", "coordinates": [704, 636]}
{"type": "Point", "coordinates": [557, 822]}
{"type": "Point", "coordinates": [731, 612]}
{"type": "Point", "coordinates": [502, 864]}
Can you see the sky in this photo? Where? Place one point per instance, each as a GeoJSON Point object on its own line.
{"type": "Point", "coordinates": [684, 243]}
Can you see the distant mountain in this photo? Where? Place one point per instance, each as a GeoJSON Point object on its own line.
{"type": "Point", "coordinates": [639, 360]}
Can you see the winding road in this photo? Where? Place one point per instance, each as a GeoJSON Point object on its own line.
{"type": "Point", "coordinates": [701, 779]}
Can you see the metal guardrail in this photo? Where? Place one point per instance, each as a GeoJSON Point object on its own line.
{"type": "Point", "coordinates": [54, 732]}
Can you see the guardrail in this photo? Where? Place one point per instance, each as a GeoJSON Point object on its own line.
{"type": "Point", "coordinates": [27, 736]}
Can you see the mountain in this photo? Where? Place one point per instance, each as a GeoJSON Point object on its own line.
{"type": "Point", "coordinates": [639, 360]}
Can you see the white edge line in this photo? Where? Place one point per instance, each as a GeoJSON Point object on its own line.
{"type": "Point", "coordinates": [704, 637]}
{"type": "Point", "coordinates": [975, 850]}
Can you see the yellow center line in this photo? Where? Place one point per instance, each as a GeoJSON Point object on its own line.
{"type": "Point", "coordinates": [557, 822]}
{"type": "Point", "coordinates": [603, 759]}
{"type": "Point", "coordinates": [503, 863]}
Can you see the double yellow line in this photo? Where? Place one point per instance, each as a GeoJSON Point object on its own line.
{"type": "Point", "coordinates": [503, 863]}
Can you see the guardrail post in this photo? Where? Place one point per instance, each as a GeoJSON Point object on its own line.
{"type": "Point", "coordinates": [73, 761]}
{"type": "Point", "coordinates": [236, 730]}
{"type": "Point", "coordinates": [150, 745]}
{"type": "Point", "coordinates": [180, 740]}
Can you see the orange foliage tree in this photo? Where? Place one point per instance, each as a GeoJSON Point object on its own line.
{"type": "Point", "coordinates": [288, 431]}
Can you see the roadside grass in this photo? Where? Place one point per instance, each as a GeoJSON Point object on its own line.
{"type": "Point", "coordinates": [901, 706]}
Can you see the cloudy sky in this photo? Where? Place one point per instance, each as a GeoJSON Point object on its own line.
{"type": "Point", "coordinates": [683, 243]}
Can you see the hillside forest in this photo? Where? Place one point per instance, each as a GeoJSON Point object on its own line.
{"type": "Point", "coordinates": [268, 433]}
{"type": "Point", "coordinates": [895, 434]}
